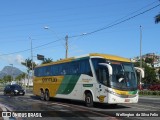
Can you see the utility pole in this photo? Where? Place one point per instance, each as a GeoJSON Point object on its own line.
{"type": "Point", "coordinates": [26, 77]}
{"type": "Point", "coordinates": [140, 55]}
{"type": "Point", "coordinates": [12, 73]}
{"type": "Point", "coordinates": [31, 60]}
{"type": "Point", "coordinates": [140, 46]}
{"type": "Point", "coordinates": [66, 39]}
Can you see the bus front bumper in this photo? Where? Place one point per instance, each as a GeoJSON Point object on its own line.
{"type": "Point", "coordinates": [114, 99]}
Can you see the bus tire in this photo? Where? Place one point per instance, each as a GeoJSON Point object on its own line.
{"type": "Point", "coordinates": [47, 97]}
{"type": "Point", "coordinates": [42, 95]}
{"type": "Point", "coordinates": [89, 100]}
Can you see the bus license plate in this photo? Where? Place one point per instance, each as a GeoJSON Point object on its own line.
{"type": "Point", "coordinates": [127, 100]}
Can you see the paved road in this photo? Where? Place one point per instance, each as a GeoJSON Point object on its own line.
{"type": "Point", "coordinates": [66, 109]}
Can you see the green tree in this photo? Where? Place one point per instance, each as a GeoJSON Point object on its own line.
{"type": "Point", "coordinates": [150, 74]}
{"type": "Point", "coordinates": [149, 60]}
{"type": "Point", "coordinates": [28, 64]}
{"type": "Point", "coordinates": [7, 78]}
{"type": "Point", "coordinates": [157, 18]}
{"type": "Point", "coordinates": [20, 77]}
{"type": "Point", "coordinates": [47, 60]}
{"type": "Point", "coordinates": [1, 81]}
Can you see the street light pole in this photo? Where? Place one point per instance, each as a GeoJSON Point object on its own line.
{"type": "Point", "coordinates": [140, 55]}
{"type": "Point", "coordinates": [25, 77]}
{"type": "Point", "coordinates": [140, 46]}
{"type": "Point", "coordinates": [48, 28]}
{"type": "Point", "coordinates": [31, 60]}
{"type": "Point", "coordinates": [66, 40]}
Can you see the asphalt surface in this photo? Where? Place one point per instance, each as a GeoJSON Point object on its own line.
{"type": "Point", "coordinates": [66, 109]}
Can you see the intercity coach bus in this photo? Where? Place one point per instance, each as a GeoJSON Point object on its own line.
{"type": "Point", "coordinates": [91, 78]}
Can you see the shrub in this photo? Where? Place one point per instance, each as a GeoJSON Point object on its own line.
{"type": "Point", "coordinates": [144, 92]}
{"type": "Point", "coordinates": [149, 92]}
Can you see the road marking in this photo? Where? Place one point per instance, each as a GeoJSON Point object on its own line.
{"type": "Point", "coordinates": [4, 110]}
{"type": "Point", "coordinates": [61, 104]}
{"type": "Point", "coordinates": [144, 107]}
{"type": "Point", "coordinates": [83, 109]}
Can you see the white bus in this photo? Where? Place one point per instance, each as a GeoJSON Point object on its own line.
{"type": "Point", "coordinates": [92, 78]}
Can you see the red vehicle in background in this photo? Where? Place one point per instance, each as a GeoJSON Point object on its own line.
{"type": "Point", "coordinates": [155, 87]}
{"type": "Point", "coordinates": [144, 86]}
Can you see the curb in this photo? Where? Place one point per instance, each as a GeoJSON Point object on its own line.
{"type": "Point", "coordinates": [5, 109]}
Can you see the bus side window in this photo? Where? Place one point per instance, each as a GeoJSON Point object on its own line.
{"type": "Point", "coordinates": [48, 71]}
{"type": "Point", "coordinates": [75, 68]}
{"type": "Point", "coordinates": [40, 72]}
{"type": "Point", "coordinates": [102, 75]}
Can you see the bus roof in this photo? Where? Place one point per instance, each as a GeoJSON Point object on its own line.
{"type": "Point", "coordinates": [110, 57]}
{"type": "Point", "coordinates": [91, 55]}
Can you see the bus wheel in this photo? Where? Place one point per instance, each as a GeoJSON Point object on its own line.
{"type": "Point", "coordinates": [42, 95]}
{"type": "Point", "coordinates": [89, 100]}
{"type": "Point", "coordinates": [47, 97]}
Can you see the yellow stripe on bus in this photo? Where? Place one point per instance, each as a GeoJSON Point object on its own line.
{"type": "Point", "coordinates": [51, 83]}
{"type": "Point", "coordinates": [120, 92]}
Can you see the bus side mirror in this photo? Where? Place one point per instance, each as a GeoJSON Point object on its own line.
{"type": "Point", "coordinates": [109, 68]}
{"type": "Point", "coordinates": [140, 70]}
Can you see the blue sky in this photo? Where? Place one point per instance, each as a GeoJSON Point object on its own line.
{"type": "Point", "coordinates": [21, 21]}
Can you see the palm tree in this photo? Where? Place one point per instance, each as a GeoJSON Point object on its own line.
{"type": "Point", "coordinates": [157, 18]}
{"type": "Point", "coordinates": [28, 64]}
{"type": "Point", "coordinates": [47, 60]}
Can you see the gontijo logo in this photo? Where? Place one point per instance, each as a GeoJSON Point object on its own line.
{"type": "Point", "coordinates": [49, 79]}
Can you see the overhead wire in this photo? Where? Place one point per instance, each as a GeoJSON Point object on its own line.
{"type": "Point", "coordinates": [32, 48]}
{"type": "Point", "coordinates": [37, 23]}
{"type": "Point", "coordinates": [89, 33]}
{"type": "Point", "coordinates": [134, 12]}
{"type": "Point", "coordinates": [91, 18]}
{"type": "Point", "coordinates": [117, 23]}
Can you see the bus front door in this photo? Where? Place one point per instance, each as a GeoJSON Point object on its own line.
{"type": "Point", "coordinates": [103, 79]}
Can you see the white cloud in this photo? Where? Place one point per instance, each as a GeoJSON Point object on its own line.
{"type": "Point", "coordinates": [19, 59]}
{"type": "Point", "coordinates": [37, 62]}
{"type": "Point", "coordinates": [12, 59]}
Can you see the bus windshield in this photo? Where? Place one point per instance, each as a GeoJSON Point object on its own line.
{"type": "Point", "coordinates": [124, 76]}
